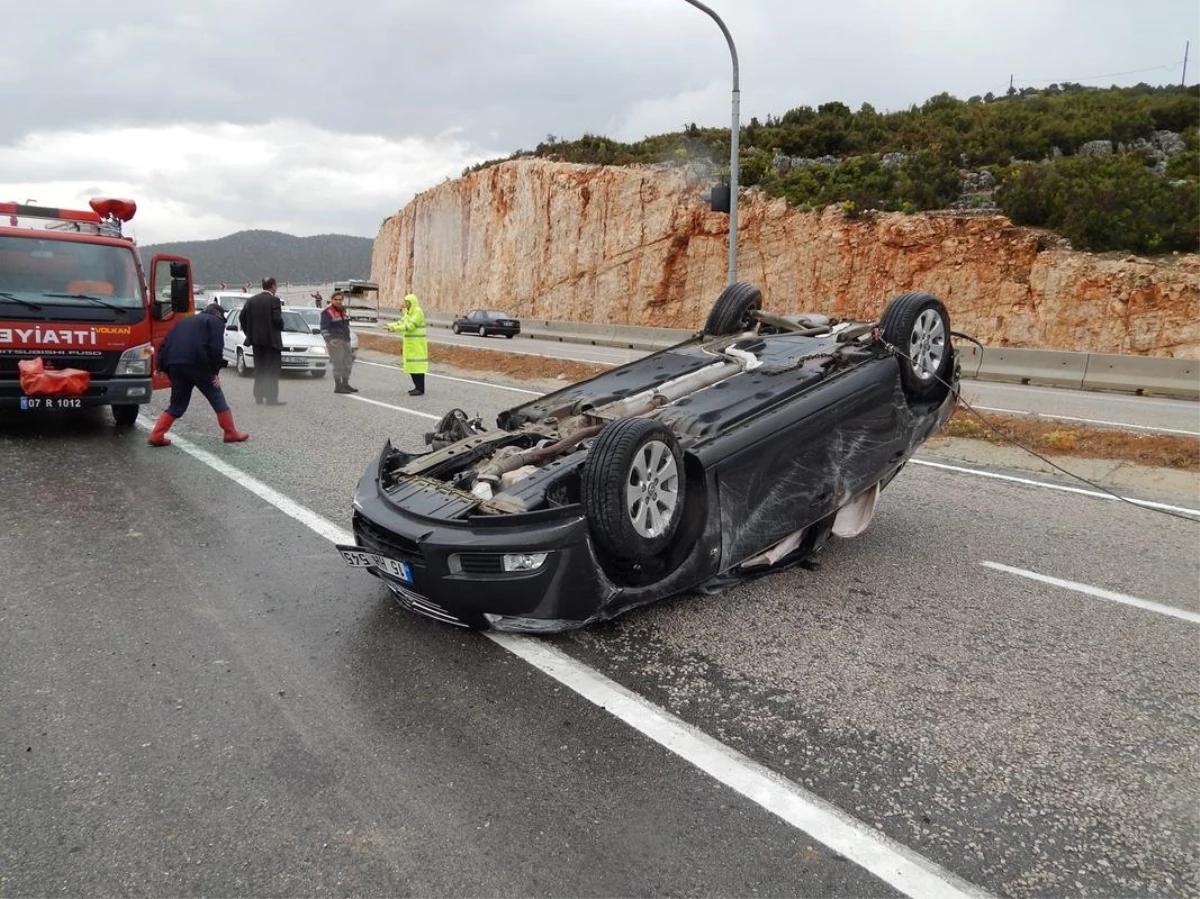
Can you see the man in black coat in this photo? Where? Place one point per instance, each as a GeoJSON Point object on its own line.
{"type": "Point", "coordinates": [262, 321]}
{"type": "Point", "coordinates": [191, 355]}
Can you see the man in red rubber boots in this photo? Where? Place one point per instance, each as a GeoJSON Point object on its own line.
{"type": "Point", "coordinates": [191, 357]}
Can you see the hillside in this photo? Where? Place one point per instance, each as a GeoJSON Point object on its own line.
{"type": "Point", "coordinates": [1108, 169]}
{"type": "Point", "coordinates": [252, 255]}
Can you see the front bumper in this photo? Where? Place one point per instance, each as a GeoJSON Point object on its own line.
{"type": "Point", "coordinates": [102, 392]}
{"type": "Point", "coordinates": [454, 568]}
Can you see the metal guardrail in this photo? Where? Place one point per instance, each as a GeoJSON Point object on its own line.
{"type": "Point", "coordinates": [1157, 375]}
{"type": "Point", "coordinates": [624, 336]}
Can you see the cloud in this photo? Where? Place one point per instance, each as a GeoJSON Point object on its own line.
{"type": "Point", "coordinates": [646, 117]}
{"type": "Point", "coordinates": [197, 181]}
{"type": "Point", "coordinates": [144, 93]}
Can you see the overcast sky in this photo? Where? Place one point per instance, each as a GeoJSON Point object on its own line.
{"type": "Point", "coordinates": [314, 117]}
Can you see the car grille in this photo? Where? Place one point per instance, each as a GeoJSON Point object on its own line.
{"type": "Point", "coordinates": [481, 563]}
{"type": "Point", "coordinates": [387, 542]}
{"type": "Point", "coordinates": [415, 602]}
{"type": "Point", "coordinates": [100, 365]}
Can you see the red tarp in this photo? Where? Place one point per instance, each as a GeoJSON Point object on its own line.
{"type": "Point", "coordinates": [37, 380]}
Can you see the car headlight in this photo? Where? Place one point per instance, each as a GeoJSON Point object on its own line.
{"type": "Point", "coordinates": [135, 361]}
{"type": "Point", "coordinates": [318, 351]}
{"type": "Point", "coordinates": [524, 561]}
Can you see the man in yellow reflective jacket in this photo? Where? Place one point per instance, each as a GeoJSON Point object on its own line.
{"type": "Point", "coordinates": [416, 348]}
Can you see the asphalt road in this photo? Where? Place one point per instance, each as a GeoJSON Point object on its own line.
{"type": "Point", "coordinates": [1160, 415]}
{"type": "Point", "coordinates": [199, 699]}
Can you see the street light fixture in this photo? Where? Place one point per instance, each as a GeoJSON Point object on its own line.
{"type": "Point", "coordinates": [733, 143]}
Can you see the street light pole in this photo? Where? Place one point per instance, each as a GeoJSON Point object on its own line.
{"type": "Point", "coordinates": [733, 143]}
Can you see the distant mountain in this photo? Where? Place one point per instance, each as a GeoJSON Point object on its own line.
{"type": "Point", "coordinates": [254, 255]}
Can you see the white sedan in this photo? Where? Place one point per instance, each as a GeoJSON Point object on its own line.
{"type": "Point", "coordinates": [303, 351]}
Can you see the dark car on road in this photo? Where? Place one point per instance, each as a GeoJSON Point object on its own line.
{"type": "Point", "coordinates": [736, 452]}
{"type": "Point", "coordinates": [486, 322]}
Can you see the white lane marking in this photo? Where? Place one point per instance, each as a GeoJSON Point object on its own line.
{"type": "Point", "coordinates": [363, 399]}
{"type": "Point", "coordinates": [1088, 421]}
{"type": "Point", "coordinates": [284, 504]}
{"type": "Point", "coordinates": [1079, 490]}
{"type": "Point", "coordinates": [890, 861]}
{"type": "Point", "coordinates": [397, 368]}
{"type": "Point", "coordinates": [1098, 592]}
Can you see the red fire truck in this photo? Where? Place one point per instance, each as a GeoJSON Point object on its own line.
{"type": "Point", "coordinates": [74, 294]}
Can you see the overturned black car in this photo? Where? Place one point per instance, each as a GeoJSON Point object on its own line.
{"type": "Point", "coordinates": [738, 451]}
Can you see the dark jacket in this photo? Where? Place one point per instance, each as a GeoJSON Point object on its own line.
{"type": "Point", "coordinates": [335, 326]}
{"type": "Point", "coordinates": [262, 320]}
{"type": "Point", "coordinates": [196, 342]}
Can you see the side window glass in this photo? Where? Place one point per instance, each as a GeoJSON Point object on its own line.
{"type": "Point", "coordinates": [162, 286]}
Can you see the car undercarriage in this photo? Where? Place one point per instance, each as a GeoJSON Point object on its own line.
{"type": "Point", "coordinates": [740, 449]}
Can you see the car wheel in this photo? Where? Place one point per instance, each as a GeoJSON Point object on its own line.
{"type": "Point", "coordinates": [454, 328]}
{"type": "Point", "coordinates": [917, 325]}
{"type": "Point", "coordinates": [482, 331]}
{"type": "Point", "coordinates": [509, 336]}
{"type": "Point", "coordinates": [242, 369]}
{"type": "Point", "coordinates": [730, 314]}
{"type": "Point", "coordinates": [633, 487]}
{"type": "Point", "coordinates": [124, 414]}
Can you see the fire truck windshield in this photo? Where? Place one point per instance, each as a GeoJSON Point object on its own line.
{"type": "Point", "coordinates": [67, 273]}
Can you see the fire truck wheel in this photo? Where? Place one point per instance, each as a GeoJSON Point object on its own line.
{"type": "Point", "coordinates": [124, 414]}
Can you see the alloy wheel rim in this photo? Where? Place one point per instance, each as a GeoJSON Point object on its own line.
{"type": "Point", "coordinates": [652, 489]}
{"type": "Point", "coordinates": [927, 345]}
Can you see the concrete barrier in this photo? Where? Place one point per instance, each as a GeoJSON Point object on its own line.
{"type": "Point", "coordinates": [1143, 374]}
{"type": "Point", "coordinates": [625, 336]}
{"type": "Point", "coordinates": [969, 357]}
{"type": "Point", "coordinates": [1051, 368]}
{"type": "Point", "coordinates": [1044, 367]}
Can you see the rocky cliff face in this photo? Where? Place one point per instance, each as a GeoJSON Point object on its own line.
{"type": "Point", "coordinates": [546, 240]}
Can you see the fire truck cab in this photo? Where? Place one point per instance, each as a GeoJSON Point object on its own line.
{"type": "Point", "coordinates": [74, 293]}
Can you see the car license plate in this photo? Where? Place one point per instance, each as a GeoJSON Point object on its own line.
{"type": "Point", "coordinates": [294, 360]}
{"type": "Point", "coordinates": [50, 402]}
{"type": "Point", "coordinates": [357, 558]}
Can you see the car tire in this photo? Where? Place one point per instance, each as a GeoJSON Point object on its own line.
{"type": "Point", "coordinates": [243, 369]}
{"type": "Point", "coordinates": [509, 336]}
{"type": "Point", "coordinates": [917, 325]}
{"type": "Point", "coordinates": [124, 414]}
{"type": "Point", "coordinates": [482, 331]}
{"type": "Point", "coordinates": [454, 328]}
{"type": "Point", "coordinates": [633, 488]}
{"type": "Point", "coordinates": [730, 314]}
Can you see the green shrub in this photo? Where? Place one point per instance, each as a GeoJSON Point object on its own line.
{"type": "Point", "coordinates": [1184, 165]}
{"type": "Point", "coordinates": [1110, 203]}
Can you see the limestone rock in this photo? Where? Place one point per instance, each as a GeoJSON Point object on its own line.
{"type": "Point", "coordinates": [546, 240]}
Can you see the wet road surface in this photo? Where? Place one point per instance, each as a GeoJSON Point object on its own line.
{"type": "Point", "coordinates": [198, 698]}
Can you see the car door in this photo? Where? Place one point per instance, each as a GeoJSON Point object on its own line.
{"type": "Point", "coordinates": [233, 338]}
{"type": "Point", "coordinates": [171, 298]}
{"type": "Point", "coordinates": [806, 458]}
